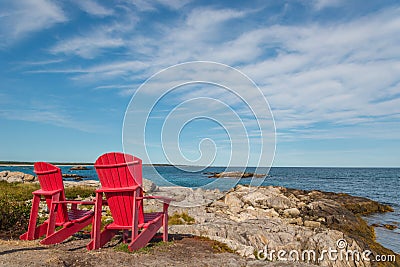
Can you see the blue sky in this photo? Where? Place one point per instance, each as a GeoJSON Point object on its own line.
{"type": "Point", "coordinates": [330, 70]}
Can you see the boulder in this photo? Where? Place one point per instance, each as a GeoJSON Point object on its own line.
{"type": "Point", "coordinates": [29, 178]}
{"type": "Point", "coordinates": [79, 168]}
{"type": "Point", "coordinates": [15, 177]}
{"type": "Point", "coordinates": [149, 186]}
{"type": "Point", "coordinates": [233, 201]}
{"type": "Point", "coordinates": [312, 224]}
{"type": "Point", "coordinates": [292, 212]}
{"type": "Point", "coordinates": [74, 176]}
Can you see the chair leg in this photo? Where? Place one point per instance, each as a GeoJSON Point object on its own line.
{"type": "Point", "coordinates": [165, 223]}
{"type": "Point", "coordinates": [165, 228]}
{"type": "Point", "coordinates": [125, 236]}
{"type": "Point", "coordinates": [31, 233]}
{"type": "Point", "coordinates": [105, 236]}
{"type": "Point", "coordinates": [52, 215]}
{"type": "Point", "coordinates": [96, 235]}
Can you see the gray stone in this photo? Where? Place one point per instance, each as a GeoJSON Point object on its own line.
{"type": "Point", "coordinates": [149, 186]}
{"type": "Point", "coordinates": [292, 212]}
{"type": "Point", "coordinates": [29, 178]}
{"type": "Point", "coordinates": [312, 224]}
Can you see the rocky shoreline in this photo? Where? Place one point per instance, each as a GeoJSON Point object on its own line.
{"type": "Point", "coordinates": [251, 219]}
{"type": "Point", "coordinates": [273, 218]}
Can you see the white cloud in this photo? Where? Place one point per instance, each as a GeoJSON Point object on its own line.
{"type": "Point", "coordinates": [53, 117]}
{"type": "Point", "coordinates": [93, 8]}
{"type": "Point", "coordinates": [338, 73]}
{"type": "Point", "coordinates": [87, 46]}
{"type": "Point", "coordinates": [321, 4]}
{"type": "Point", "coordinates": [26, 16]}
{"type": "Point", "coordinates": [151, 5]}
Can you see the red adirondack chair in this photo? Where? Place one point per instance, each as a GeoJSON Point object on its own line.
{"type": "Point", "coordinates": [121, 179]}
{"type": "Point", "coordinates": [52, 188]}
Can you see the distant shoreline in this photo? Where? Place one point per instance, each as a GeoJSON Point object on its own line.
{"type": "Point", "coordinates": [28, 163]}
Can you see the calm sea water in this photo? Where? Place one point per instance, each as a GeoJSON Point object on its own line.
{"type": "Point", "coordinates": [380, 184]}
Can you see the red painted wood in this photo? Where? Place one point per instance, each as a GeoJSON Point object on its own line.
{"type": "Point", "coordinates": [52, 189]}
{"type": "Point", "coordinates": [121, 178]}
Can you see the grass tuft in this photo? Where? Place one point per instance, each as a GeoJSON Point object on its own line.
{"type": "Point", "coordinates": [82, 191]}
{"type": "Point", "coordinates": [180, 218]}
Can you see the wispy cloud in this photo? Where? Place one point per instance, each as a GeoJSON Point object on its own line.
{"type": "Point", "coordinates": [87, 46]}
{"type": "Point", "coordinates": [151, 5]}
{"type": "Point", "coordinates": [50, 112]}
{"type": "Point", "coordinates": [337, 73]}
{"type": "Point", "coordinates": [53, 117]}
{"type": "Point", "coordinates": [21, 18]}
{"type": "Point", "coordinates": [93, 8]}
{"type": "Point", "coordinates": [321, 4]}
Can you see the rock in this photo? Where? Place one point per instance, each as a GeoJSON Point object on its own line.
{"type": "Point", "coordinates": [79, 168]}
{"type": "Point", "coordinates": [235, 175]}
{"type": "Point", "coordinates": [386, 225]}
{"type": "Point", "coordinates": [390, 226]}
{"type": "Point", "coordinates": [292, 212]}
{"type": "Point", "coordinates": [91, 183]}
{"type": "Point", "coordinates": [29, 178]}
{"type": "Point", "coordinates": [297, 221]}
{"type": "Point", "coordinates": [74, 176]}
{"type": "Point", "coordinates": [15, 177]}
{"type": "Point", "coordinates": [262, 213]}
{"type": "Point", "coordinates": [256, 199]}
{"type": "Point", "coordinates": [312, 224]}
{"type": "Point", "coordinates": [149, 186]}
{"type": "Point", "coordinates": [233, 201]}
{"type": "Point", "coordinates": [301, 204]}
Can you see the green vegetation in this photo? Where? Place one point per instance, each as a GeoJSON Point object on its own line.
{"type": "Point", "coordinates": [217, 246]}
{"type": "Point", "coordinates": [14, 210]}
{"type": "Point", "coordinates": [15, 206]}
{"type": "Point", "coordinates": [180, 218]}
{"type": "Point", "coordinates": [82, 191]}
{"type": "Point", "coordinates": [17, 191]}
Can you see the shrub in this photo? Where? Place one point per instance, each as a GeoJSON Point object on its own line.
{"type": "Point", "coordinates": [180, 218]}
{"type": "Point", "coordinates": [82, 191]}
{"type": "Point", "coordinates": [14, 210]}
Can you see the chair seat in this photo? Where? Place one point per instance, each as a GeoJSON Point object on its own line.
{"type": "Point", "coordinates": [76, 215]}
{"type": "Point", "coordinates": [148, 217]}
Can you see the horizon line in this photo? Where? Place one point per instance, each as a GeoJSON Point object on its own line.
{"type": "Point", "coordinates": [7, 163]}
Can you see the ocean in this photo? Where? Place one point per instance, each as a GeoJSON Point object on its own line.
{"type": "Point", "coordinates": [380, 184]}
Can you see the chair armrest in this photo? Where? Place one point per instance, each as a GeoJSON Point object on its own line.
{"type": "Point", "coordinates": [75, 202]}
{"type": "Point", "coordinates": [115, 190]}
{"type": "Point", "coordinates": [165, 199]}
{"type": "Point", "coordinates": [46, 193]}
